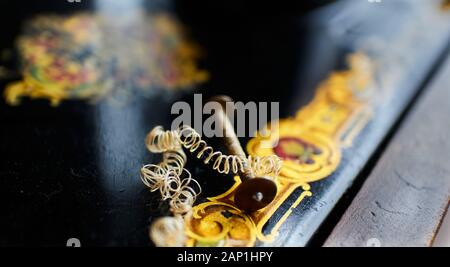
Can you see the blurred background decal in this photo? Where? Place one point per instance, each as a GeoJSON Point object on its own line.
{"type": "Point", "coordinates": [93, 57]}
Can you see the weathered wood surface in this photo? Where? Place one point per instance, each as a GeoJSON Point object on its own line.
{"type": "Point", "coordinates": [443, 235]}
{"type": "Point", "coordinates": [404, 199]}
{"type": "Point", "coordinates": [404, 60]}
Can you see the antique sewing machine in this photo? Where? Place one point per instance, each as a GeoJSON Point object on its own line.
{"type": "Point", "coordinates": [84, 83]}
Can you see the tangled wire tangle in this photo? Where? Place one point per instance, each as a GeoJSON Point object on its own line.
{"type": "Point", "coordinates": [175, 183]}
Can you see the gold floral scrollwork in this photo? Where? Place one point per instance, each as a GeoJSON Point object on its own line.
{"type": "Point", "coordinates": [307, 155]}
{"type": "Point", "coordinates": [310, 146]}
{"type": "Point", "coordinates": [218, 223]}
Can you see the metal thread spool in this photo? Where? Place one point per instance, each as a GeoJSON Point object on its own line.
{"type": "Point", "coordinates": [253, 193]}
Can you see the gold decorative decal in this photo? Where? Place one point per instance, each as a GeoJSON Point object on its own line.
{"type": "Point", "coordinates": [91, 57]}
{"type": "Point", "coordinates": [218, 223]}
{"type": "Point", "coordinates": [308, 155]}
{"type": "Point", "coordinates": [310, 145]}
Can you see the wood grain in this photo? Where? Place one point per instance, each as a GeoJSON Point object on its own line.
{"type": "Point", "coordinates": [403, 201]}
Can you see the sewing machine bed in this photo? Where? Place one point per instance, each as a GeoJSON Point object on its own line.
{"type": "Point", "coordinates": [84, 82]}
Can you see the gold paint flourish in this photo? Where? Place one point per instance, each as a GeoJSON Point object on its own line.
{"type": "Point", "coordinates": [310, 145]}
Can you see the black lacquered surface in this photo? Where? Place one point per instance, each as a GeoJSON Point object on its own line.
{"type": "Point", "coordinates": [73, 170]}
